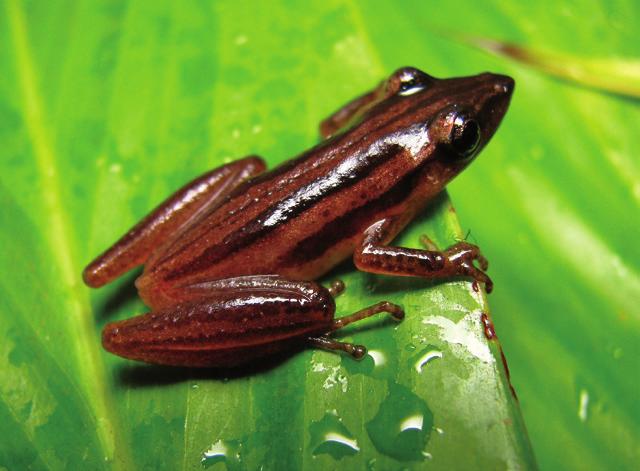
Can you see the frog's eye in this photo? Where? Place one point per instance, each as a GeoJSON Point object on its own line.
{"type": "Point", "coordinates": [409, 80]}
{"type": "Point", "coordinates": [465, 135]}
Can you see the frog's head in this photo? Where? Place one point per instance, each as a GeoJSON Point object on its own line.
{"type": "Point", "coordinates": [450, 120]}
{"type": "Point", "coordinates": [460, 114]}
{"type": "Point", "coordinates": [443, 123]}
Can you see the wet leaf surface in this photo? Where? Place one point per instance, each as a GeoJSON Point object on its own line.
{"type": "Point", "coordinates": [106, 107]}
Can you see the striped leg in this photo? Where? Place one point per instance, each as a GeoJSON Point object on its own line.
{"type": "Point", "coordinates": [177, 212]}
{"type": "Point", "coordinates": [374, 256]}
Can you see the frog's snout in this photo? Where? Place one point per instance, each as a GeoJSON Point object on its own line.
{"type": "Point", "coordinates": [504, 85]}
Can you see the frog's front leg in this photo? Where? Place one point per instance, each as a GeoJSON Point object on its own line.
{"type": "Point", "coordinates": [404, 81]}
{"type": "Point", "coordinates": [177, 212]}
{"type": "Point", "coordinates": [375, 256]}
{"type": "Point", "coordinates": [234, 321]}
{"type": "Point", "coordinates": [348, 112]}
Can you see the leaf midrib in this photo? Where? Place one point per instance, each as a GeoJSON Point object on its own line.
{"type": "Point", "coordinates": [89, 364]}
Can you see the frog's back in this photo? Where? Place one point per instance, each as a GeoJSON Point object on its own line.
{"type": "Point", "coordinates": [299, 220]}
{"type": "Point", "coordinates": [304, 217]}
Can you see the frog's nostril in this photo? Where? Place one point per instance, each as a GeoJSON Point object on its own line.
{"type": "Point", "coordinates": [505, 85]}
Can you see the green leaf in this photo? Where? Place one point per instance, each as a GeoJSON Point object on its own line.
{"type": "Point", "coordinates": [554, 205]}
{"type": "Point", "coordinates": [105, 107]}
{"type": "Point", "coordinates": [141, 98]}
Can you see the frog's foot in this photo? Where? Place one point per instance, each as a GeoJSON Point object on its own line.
{"type": "Point", "coordinates": [336, 288]}
{"type": "Point", "coordinates": [182, 209]}
{"type": "Point", "coordinates": [465, 259]}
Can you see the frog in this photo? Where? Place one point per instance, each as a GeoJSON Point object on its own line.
{"type": "Point", "coordinates": [231, 260]}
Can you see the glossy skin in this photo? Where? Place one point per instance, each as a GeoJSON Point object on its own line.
{"type": "Point", "coordinates": [207, 249]}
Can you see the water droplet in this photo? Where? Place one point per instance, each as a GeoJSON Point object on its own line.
{"type": "Point", "coordinates": [371, 464]}
{"type": "Point", "coordinates": [379, 358]}
{"type": "Point", "coordinates": [223, 451]}
{"type": "Point", "coordinates": [376, 364]}
{"type": "Point", "coordinates": [402, 426]}
{"type": "Point", "coordinates": [381, 361]}
{"type": "Point", "coordinates": [329, 436]}
{"type": "Point", "coordinates": [583, 404]}
{"type": "Point", "coordinates": [364, 366]}
{"type": "Point", "coordinates": [410, 347]}
{"type": "Point", "coordinates": [425, 356]}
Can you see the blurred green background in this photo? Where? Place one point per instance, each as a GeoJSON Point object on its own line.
{"type": "Point", "coordinates": [107, 106]}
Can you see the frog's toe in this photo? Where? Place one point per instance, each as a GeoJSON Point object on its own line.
{"type": "Point", "coordinates": [483, 263]}
{"type": "Point", "coordinates": [336, 287]}
{"type": "Point", "coordinates": [477, 274]}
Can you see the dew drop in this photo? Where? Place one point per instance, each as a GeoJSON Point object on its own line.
{"type": "Point", "coordinates": [583, 404]}
{"type": "Point", "coordinates": [329, 436]}
{"type": "Point", "coordinates": [378, 363]}
{"type": "Point", "coordinates": [425, 356]}
{"type": "Point", "coordinates": [402, 426]}
{"type": "Point", "coordinates": [379, 358]}
{"type": "Point", "coordinates": [223, 451]}
{"type": "Point", "coordinates": [364, 366]}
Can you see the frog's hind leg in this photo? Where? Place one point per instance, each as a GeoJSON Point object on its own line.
{"type": "Point", "coordinates": [170, 218]}
{"type": "Point", "coordinates": [356, 351]}
{"type": "Point", "coordinates": [313, 294]}
{"type": "Point", "coordinates": [233, 321]}
{"type": "Point", "coordinates": [227, 322]}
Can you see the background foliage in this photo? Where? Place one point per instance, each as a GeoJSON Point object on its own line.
{"type": "Point", "coordinates": [107, 106]}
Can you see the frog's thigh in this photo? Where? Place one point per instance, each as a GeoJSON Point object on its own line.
{"type": "Point", "coordinates": [226, 322]}
{"type": "Point", "coordinates": [173, 215]}
{"type": "Point", "coordinates": [232, 321]}
{"type": "Point", "coordinates": [375, 256]}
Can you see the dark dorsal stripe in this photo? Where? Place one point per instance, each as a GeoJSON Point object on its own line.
{"type": "Point", "coordinates": [346, 173]}
{"type": "Point", "coordinates": [350, 223]}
